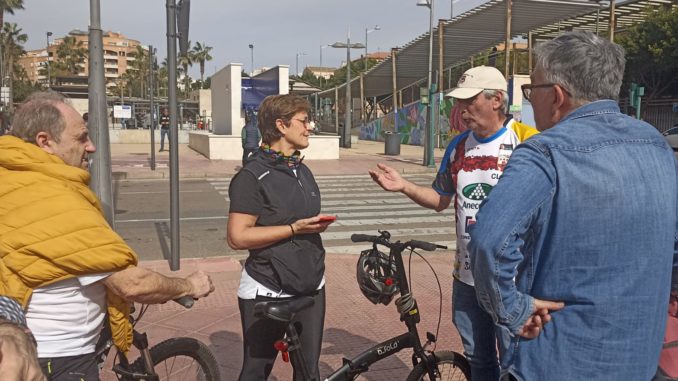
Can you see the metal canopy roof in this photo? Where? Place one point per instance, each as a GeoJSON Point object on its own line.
{"type": "Point", "coordinates": [483, 27]}
{"type": "Point", "coordinates": [626, 14]}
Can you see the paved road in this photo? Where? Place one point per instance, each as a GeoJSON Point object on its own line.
{"type": "Point", "coordinates": [142, 212]}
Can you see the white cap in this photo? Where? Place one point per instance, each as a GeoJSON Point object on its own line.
{"type": "Point", "coordinates": [477, 79]}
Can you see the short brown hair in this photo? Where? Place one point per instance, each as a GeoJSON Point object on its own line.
{"type": "Point", "coordinates": [39, 113]}
{"type": "Point", "coordinates": [276, 107]}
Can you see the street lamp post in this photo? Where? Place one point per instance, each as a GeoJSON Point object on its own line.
{"type": "Point", "coordinates": [49, 76]}
{"type": "Point", "coordinates": [428, 148]}
{"type": "Point", "coordinates": [320, 79]}
{"type": "Point", "coordinates": [299, 54]}
{"type": "Point", "coordinates": [367, 30]}
{"type": "Point", "coordinates": [252, 60]}
{"type": "Point", "coordinates": [346, 134]}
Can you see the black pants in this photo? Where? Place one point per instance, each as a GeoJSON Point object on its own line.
{"type": "Point", "coordinates": [260, 334]}
{"type": "Point", "coordinates": [71, 368]}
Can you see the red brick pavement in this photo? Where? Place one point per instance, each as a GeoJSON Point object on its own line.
{"type": "Point", "coordinates": [352, 323]}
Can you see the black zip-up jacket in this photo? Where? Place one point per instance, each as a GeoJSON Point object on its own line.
{"type": "Point", "coordinates": [269, 189]}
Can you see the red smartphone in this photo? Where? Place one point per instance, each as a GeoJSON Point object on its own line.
{"type": "Point", "coordinates": [327, 218]}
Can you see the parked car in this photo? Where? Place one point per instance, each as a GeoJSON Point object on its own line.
{"type": "Point", "coordinates": [671, 136]}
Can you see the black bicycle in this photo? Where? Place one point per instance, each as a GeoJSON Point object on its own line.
{"type": "Point", "coordinates": [179, 358]}
{"type": "Point", "coordinates": [428, 364]}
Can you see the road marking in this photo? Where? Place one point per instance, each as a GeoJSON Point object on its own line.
{"type": "Point", "coordinates": [401, 234]}
{"type": "Point", "coordinates": [358, 247]}
{"type": "Point", "coordinates": [167, 219]}
{"type": "Point", "coordinates": [163, 192]}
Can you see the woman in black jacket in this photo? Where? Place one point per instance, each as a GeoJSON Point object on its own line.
{"type": "Point", "coordinates": [274, 213]}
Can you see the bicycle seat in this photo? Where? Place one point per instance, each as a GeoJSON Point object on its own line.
{"type": "Point", "coordinates": [282, 310]}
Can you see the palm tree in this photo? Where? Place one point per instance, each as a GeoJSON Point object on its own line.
{"type": "Point", "coordinates": [12, 40]}
{"type": "Point", "coordinates": [201, 53]}
{"type": "Point", "coordinates": [186, 61]}
{"type": "Point", "coordinates": [138, 70]}
{"type": "Point", "coordinates": [9, 6]}
{"type": "Point", "coordinates": [70, 56]}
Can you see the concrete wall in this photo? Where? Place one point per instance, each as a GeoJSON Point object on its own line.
{"type": "Point", "coordinates": [228, 147]}
{"type": "Point", "coordinates": [140, 136]}
{"type": "Point", "coordinates": [226, 89]}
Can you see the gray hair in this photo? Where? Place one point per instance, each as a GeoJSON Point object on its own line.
{"type": "Point", "coordinates": [590, 68]}
{"type": "Point", "coordinates": [504, 95]}
{"type": "Point", "coordinates": [39, 113]}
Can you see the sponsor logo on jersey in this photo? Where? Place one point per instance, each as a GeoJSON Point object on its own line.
{"type": "Point", "coordinates": [476, 191]}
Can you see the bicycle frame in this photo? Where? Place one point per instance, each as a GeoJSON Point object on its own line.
{"type": "Point", "coordinates": [359, 364]}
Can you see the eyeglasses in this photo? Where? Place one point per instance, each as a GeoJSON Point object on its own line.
{"type": "Point", "coordinates": [306, 121]}
{"type": "Point", "coordinates": [527, 89]}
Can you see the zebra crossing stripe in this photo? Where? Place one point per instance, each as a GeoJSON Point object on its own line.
{"type": "Point", "coordinates": [357, 248]}
{"type": "Point", "coordinates": [396, 234]}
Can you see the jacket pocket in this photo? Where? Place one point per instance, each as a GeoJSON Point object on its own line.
{"type": "Point", "coordinates": [298, 269]}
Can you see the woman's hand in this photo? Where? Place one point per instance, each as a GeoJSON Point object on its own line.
{"type": "Point", "coordinates": [311, 225]}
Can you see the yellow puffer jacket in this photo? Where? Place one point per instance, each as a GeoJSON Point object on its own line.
{"type": "Point", "coordinates": [52, 228]}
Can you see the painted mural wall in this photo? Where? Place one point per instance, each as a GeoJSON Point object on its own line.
{"type": "Point", "coordinates": [410, 122]}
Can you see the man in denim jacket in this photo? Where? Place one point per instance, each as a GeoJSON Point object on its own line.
{"type": "Point", "coordinates": [580, 231]}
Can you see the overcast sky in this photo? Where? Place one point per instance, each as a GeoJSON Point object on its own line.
{"type": "Point", "coordinates": [278, 29]}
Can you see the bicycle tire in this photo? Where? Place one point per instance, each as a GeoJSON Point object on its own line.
{"type": "Point", "coordinates": [452, 366]}
{"type": "Point", "coordinates": [182, 359]}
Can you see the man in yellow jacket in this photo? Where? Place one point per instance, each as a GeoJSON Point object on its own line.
{"type": "Point", "coordinates": [58, 256]}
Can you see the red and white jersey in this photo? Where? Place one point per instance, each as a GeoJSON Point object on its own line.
{"type": "Point", "coordinates": [470, 168]}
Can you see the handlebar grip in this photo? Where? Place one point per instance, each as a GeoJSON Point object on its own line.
{"type": "Point", "coordinates": [428, 246]}
{"type": "Point", "coordinates": [363, 238]}
{"type": "Point", "coordinates": [185, 301]}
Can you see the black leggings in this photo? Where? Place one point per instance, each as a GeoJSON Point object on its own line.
{"type": "Point", "coordinates": [260, 334]}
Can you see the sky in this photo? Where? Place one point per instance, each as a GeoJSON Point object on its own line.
{"type": "Point", "coordinates": [279, 30]}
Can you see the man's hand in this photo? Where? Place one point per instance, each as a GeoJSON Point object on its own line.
{"type": "Point", "coordinates": [18, 357]}
{"type": "Point", "coordinates": [540, 316]}
{"type": "Point", "coordinates": [388, 178]}
{"type": "Point", "coordinates": [201, 284]}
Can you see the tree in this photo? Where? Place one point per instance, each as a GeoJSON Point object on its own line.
{"type": "Point", "coordinates": [9, 6]}
{"type": "Point", "coordinates": [70, 57]}
{"type": "Point", "coordinates": [651, 56]}
{"type": "Point", "coordinates": [186, 61]}
{"type": "Point", "coordinates": [201, 53]}
{"type": "Point", "coordinates": [12, 40]}
{"type": "Point", "coordinates": [137, 72]}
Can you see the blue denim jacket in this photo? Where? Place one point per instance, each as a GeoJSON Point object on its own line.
{"type": "Point", "coordinates": [584, 213]}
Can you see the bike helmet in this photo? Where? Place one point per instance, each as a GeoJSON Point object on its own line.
{"type": "Point", "coordinates": [376, 276]}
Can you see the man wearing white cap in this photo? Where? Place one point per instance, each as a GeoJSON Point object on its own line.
{"type": "Point", "coordinates": [471, 166]}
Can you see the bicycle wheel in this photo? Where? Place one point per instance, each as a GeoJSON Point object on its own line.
{"type": "Point", "coordinates": [182, 359]}
{"type": "Point", "coordinates": [452, 366]}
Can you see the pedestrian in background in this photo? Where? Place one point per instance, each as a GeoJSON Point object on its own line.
{"type": "Point", "coordinates": [580, 232]}
{"type": "Point", "coordinates": [164, 129]}
{"type": "Point", "coordinates": [471, 165]}
{"type": "Point", "coordinates": [274, 209]}
{"type": "Point", "coordinates": [250, 136]}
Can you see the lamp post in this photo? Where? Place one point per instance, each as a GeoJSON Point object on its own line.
{"type": "Point", "coordinates": [428, 148]}
{"type": "Point", "coordinates": [299, 54]}
{"type": "Point", "coordinates": [451, 9]}
{"type": "Point", "coordinates": [367, 30]}
{"type": "Point", "coordinates": [346, 134]}
{"type": "Point", "coordinates": [320, 79]}
{"type": "Point", "coordinates": [49, 76]}
{"type": "Point", "coordinates": [251, 59]}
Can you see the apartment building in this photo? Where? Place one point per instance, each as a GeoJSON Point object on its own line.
{"type": "Point", "coordinates": [118, 54]}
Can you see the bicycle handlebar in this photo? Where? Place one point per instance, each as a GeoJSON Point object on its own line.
{"type": "Point", "coordinates": [414, 244]}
